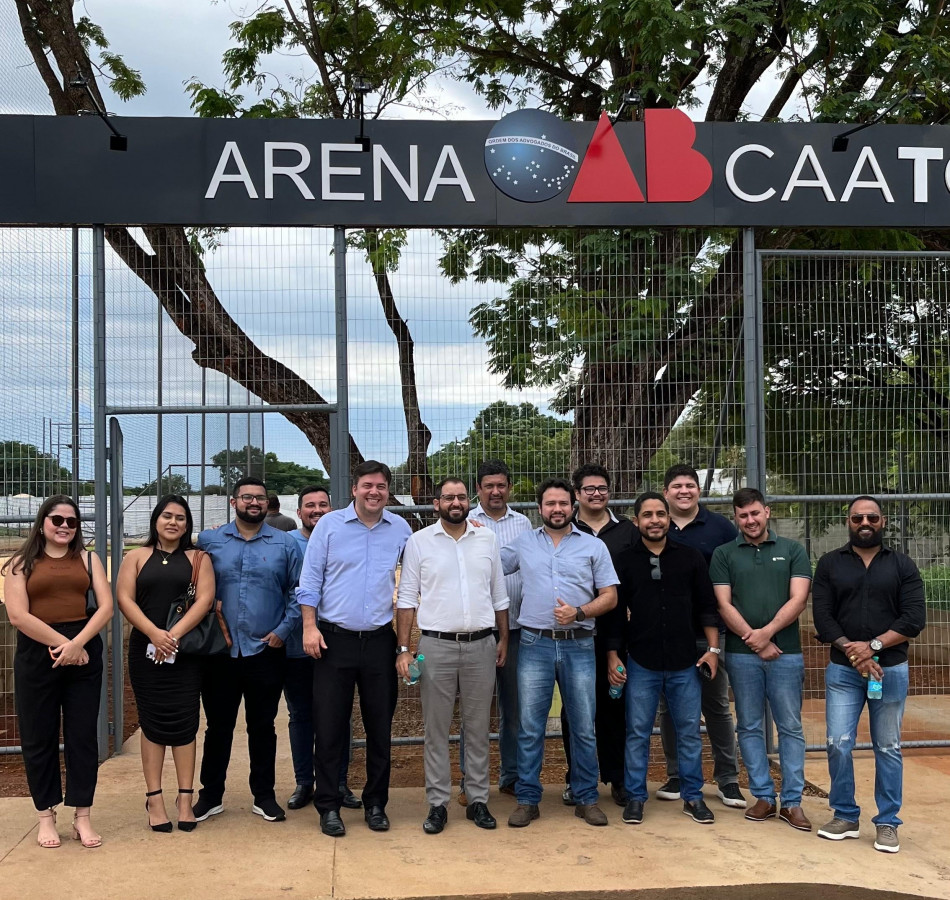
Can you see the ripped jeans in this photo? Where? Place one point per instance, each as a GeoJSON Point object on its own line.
{"type": "Point", "coordinates": [845, 697]}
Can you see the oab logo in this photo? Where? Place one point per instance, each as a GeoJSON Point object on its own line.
{"type": "Point", "coordinates": [530, 155]}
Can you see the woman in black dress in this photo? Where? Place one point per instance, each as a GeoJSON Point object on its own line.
{"type": "Point", "coordinates": [167, 686]}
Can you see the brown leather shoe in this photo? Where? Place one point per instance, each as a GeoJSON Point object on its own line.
{"type": "Point", "coordinates": [524, 814]}
{"type": "Point", "coordinates": [795, 817]}
{"type": "Point", "coordinates": [591, 813]}
{"type": "Point", "coordinates": [761, 811]}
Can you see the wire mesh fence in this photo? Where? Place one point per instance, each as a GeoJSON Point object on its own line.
{"type": "Point", "coordinates": [544, 349]}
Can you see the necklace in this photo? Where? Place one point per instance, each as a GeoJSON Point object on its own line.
{"type": "Point", "coordinates": [164, 554]}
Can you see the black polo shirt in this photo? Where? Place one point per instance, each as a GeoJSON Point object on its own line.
{"type": "Point", "coordinates": [618, 534]}
{"type": "Point", "coordinates": [861, 602]}
{"type": "Point", "coordinates": [705, 532]}
{"type": "Point", "coordinates": [660, 634]}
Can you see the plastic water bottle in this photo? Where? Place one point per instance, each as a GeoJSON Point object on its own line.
{"type": "Point", "coordinates": [616, 690]}
{"type": "Point", "coordinates": [875, 688]}
{"type": "Point", "coordinates": [415, 670]}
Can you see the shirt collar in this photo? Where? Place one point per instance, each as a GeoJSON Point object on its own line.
{"type": "Point", "coordinates": [469, 529]}
{"type": "Point", "coordinates": [847, 548]}
{"type": "Point", "coordinates": [349, 515]}
{"type": "Point", "coordinates": [581, 524]}
{"type": "Point", "coordinates": [478, 511]}
{"type": "Point", "coordinates": [574, 529]}
{"type": "Point", "coordinates": [265, 532]}
{"type": "Point", "coordinates": [742, 542]}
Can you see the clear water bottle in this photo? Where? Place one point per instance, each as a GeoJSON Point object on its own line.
{"type": "Point", "coordinates": [616, 690]}
{"type": "Point", "coordinates": [875, 688]}
{"type": "Point", "coordinates": [415, 670]}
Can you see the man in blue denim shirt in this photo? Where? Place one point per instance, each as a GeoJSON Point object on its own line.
{"type": "Point", "coordinates": [568, 581]}
{"type": "Point", "coordinates": [256, 568]}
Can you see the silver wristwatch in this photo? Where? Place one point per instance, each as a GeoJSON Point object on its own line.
{"type": "Point", "coordinates": [403, 650]}
{"type": "Point", "coordinates": [716, 650]}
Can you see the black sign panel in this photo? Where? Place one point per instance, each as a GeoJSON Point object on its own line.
{"type": "Point", "coordinates": [528, 169]}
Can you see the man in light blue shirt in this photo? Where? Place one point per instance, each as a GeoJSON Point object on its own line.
{"type": "Point", "coordinates": [256, 569]}
{"type": "Point", "coordinates": [569, 580]}
{"type": "Point", "coordinates": [346, 596]}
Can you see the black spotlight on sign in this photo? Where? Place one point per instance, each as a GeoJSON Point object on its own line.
{"type": "Point", "coordinates": [840, 143]}
{"type": "Point", "coordinates": [116, 141]}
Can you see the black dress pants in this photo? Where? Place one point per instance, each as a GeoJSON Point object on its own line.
{"type": "Point", "coordinates": [259, 680]}
{"type": "Point", "coordinates": [45, 699]}
{"type": "Point", "coordinates": [368, 663]}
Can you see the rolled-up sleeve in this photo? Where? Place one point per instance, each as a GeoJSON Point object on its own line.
{"type": "Point", "coordinates": [605, 574]}
{"type": "Point", "coordinates": [407, 596]}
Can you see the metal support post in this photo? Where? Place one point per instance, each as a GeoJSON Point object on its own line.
{"type": "Point", "coordinates": [752, 340]}
{"type": "Point", "coordinates": [340, 421]}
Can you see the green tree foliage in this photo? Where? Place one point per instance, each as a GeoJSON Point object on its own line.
{"type": "Point", "coordinates": [534, 445]}
{"type": "Point", "coordinates": [25, 469]}
{"type": "Point", "coordinates": [281, 477]}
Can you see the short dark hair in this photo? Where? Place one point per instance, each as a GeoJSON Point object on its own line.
{"type": "Point", "coordinates": [492, 467]}
{"type": "Point", "coordinates": [649, 495]}
{"type": "Point", "coordinates": [247, 480]}
{"type": "Point", "coordinates": [373, 467]}
{"type": "Point", "coordinates": [869, 499]}
{"type": "Point", "coordinates": [680, 470]}
{"type": "Point", "coordinates": [746, 497]}
{"type": "Point", "coordinates": [449, 479]}
{"type": "Point", "coordinates": [559, 483]}
{"type": "Point", "coordinates": [312, 489]}
{"type": "Point", "coordinates": [588, 470]}
{"type": "Point", "coordinates": [185, 542]}
{"type": "Point", "coordinates": [273, 502]}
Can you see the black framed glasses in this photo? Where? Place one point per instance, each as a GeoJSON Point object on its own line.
{"type": "Point", "coordinates": [858, 518]}
{"type": "Point", "coordinates": [68, 521]}
{"type": "Point", "coordinates": [592, 489]}
{"type": "Point", "coordinates": [252, 498]}
{"type": "Point", "coordinates": [655, 572]}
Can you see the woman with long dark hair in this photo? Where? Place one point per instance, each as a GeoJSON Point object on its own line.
{"type": "Point", "coordinates": [167, 685]}
{"type": "Point", "coordinates": [57, 668]}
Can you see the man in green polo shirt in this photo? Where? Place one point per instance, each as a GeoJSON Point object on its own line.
{"type": "Point", "coordinates": [762, 582]}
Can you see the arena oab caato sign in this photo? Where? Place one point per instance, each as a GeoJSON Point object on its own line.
{"type": "Point", "coordinates": [526, 169]}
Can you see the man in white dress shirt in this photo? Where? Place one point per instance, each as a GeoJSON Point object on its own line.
{"type": "Point", "coordinates": [451, 573]}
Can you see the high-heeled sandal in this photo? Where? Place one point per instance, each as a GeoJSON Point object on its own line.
{"type": "Point", "coordinates": [184, 826]}
{"type": "Point", "coordinates": [163, 827]}
{"type": "Point", "coordinates": [48, 843]}
{"type": "Point", "coordinates": [89, 843]}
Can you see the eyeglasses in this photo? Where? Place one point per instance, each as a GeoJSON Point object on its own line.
{"type": "Point", "coordinates": [858, 518]}
{"type": "Point", "coordinates": [451, 498]}
{"type": "Point", "coordinates": [252, 498]}
{"type": "Point", "coordinates": [592, 489]}
{"type": "Point", "coordinates": [655, 572]}
{"type": "Point", "coordinates": [68, 521]}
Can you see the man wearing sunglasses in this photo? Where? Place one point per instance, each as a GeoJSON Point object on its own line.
{"type": "Point", "coordinates": [762, 581]}
{"type": "Point", "coordinates": [666, 589]}
{"type": "Point", "coordinates": [868, 602]}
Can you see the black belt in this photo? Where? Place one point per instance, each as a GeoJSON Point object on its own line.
{"type": "Point", "coordinates": [461, 637]}
{"type": "Point", "coordinates": [330, 627]}
{"type": "Point", "coordinates": [560, 634]}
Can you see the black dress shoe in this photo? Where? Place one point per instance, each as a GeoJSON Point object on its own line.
{"type": "Point", "coordinates": [435, 821]}
{"type": "Point", "coordinates": [349, 799]}
{"type": "Point", "coordinates": [301, 796]}
{"type": "Point", "coordinates": [331, 824]}
{"type": "Point", "coordinates": [479, 814]}
{"type": "Point", "coordinates": [376, 818]}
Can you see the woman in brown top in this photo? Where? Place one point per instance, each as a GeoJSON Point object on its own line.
{"type": "Point", "coordinates": [58, 664]}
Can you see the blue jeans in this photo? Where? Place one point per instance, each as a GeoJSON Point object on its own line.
{"type": "Point", "coordinates": [541, 662]}
{"type": "Point", "coordinates": [780, 682]}
{"type": "Point", "coordinates": [845, 696]}
{"type": "Point", "coordinates": [684, 698]}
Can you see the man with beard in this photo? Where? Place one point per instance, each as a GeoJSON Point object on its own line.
{"type": "Point", "coordinates": [255, 569]}
{"type": "Point", "coordinates": [312, 502]}
{"type": "Point", "coordinates": [868, 602]}
{"type": "Point", "coordinates": [451, 572]}
{"type": "Point", "coordinates": [346, 597]}
{"type": "Point", "coordinates": [569, 580]}
{"type": "Point", "coordinates": [761, 581]}
{"type": "Point", "coordinates": [493, 511]}
{"type": "Point", "coordinates": [667, 591]}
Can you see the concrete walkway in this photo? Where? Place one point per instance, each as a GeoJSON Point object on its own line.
{"type": "Point", "coordinates": [238, 855]}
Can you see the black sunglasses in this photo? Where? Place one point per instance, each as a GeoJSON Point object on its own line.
{"type": "Point", "coordinates": [858, 518]}
{"type": "Point", "coordinates": [68, 521]}
{"type": "Point", "coordinates": [655, 572]}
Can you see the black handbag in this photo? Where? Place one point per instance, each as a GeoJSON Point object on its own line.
{"type": "Point", "coordinates": [92, 605]}
{"type": "Point", "coordinates": [210, 636]}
